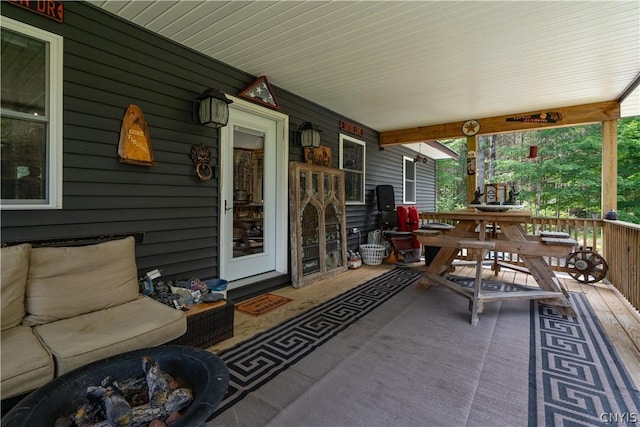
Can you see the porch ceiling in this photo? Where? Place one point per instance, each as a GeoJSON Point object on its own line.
{"type": "Point", "coordinates": [395, 64]}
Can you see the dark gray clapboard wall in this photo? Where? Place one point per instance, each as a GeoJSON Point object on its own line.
{"type": "Point", "coordinates": [383, 168]}
{"type": "Point", "coordinates": [110, 63]}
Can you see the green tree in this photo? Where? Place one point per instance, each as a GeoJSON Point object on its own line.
{"type": "Point", "coordinates": [629, 169]}
{"type": "Point", "coordinates": [451, 178]}
{"type": "Point", "coordinates": [565, 180]}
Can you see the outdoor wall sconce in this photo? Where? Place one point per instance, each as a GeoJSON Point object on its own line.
{"type": "Point", "coordinates": [309, 136]}
{"type": "Point", "coordinates": [201, 156]}
{"type": "Point", "coordinates": [212, 109]}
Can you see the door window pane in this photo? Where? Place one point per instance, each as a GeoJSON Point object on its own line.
{"type": "Point", "coordinates": [248, 185]}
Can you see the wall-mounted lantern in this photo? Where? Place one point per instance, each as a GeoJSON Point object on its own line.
{"type": "Point", "coordinates": [309, 136]}
{"type": "Point", "coordinates": [212, 109]}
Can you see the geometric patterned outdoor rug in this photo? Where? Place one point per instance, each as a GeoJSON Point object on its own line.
{"type": "Point", "coordinates": [259, 359]}
{"type": "Point", "coordinates": [575, 375]}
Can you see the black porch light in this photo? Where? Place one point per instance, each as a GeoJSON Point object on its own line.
{"type": "Point", "coordinates": [309, 136]}
{"type": "Point", "coordinates": [212, 108]}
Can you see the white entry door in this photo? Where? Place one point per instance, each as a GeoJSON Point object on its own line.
{"type": "Point", "coordinates": [253, 237]}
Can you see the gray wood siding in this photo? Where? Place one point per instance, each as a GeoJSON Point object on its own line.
{"type": "Point", "coordinates": [383, 168]}
{"type": "Point", "coordinates": [110, 63]}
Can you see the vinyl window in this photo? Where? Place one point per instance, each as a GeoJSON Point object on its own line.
{"type": "Point", "coordinates": [409, 180]}
{"type": "Point", "coordinates": [352, 161]}
{"type": "Point", "coordinates": [31, 114]}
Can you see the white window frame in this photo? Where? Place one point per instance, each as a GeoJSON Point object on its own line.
{"type": "Point", "coordinates": [364, 152]}
{"type": "Point", "coordinates": [53, 117]}
{"type": "Point", "coordinates": [406, 179]}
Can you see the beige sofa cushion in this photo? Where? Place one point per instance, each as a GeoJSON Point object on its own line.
{"type": "Point", "coordinates": [70, 281]}
{"type": "Point", "coordinates": [26, 364]}
{"type": "Point", "coordinates": [137, 324]}
{"type": "Point", "coordinates": [14, 267]}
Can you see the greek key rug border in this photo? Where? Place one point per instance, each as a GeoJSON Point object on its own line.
{"type": "Point", "coordinates": [258, 360]}
{"type": "Point", "coordinates": [576, 376]}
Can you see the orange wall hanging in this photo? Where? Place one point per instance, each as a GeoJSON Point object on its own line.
{"type": "Point", "coordinates": [135, 144]}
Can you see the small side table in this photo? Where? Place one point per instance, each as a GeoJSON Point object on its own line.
{"type": "Point", "coordinates": [208, 324]}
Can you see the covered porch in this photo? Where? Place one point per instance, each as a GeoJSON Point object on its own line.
{"type": "Point", "coordinates": [183, 47]}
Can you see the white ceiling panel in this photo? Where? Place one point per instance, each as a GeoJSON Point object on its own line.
{"type": "Point", "coordinates": [399, 64]}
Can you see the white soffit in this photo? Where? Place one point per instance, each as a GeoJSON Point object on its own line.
{"type": "Point", "coordinates": [433, 149]}
{"type": "Point", "coordinates": [399, 64]}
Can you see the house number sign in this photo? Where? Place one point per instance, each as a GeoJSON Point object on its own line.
{"type": "Point", "coordinates": [350, 127]}
{"type": "Point", "coordinates": [52, 9]}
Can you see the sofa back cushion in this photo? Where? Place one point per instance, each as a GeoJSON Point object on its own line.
{"type": "Point", "coordinates": [14, 268]}
{"type": "Point", "coordinates": [70, 281]}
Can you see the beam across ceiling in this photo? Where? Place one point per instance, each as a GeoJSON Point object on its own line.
{"type": "Point", "coordinates": [552, 117]}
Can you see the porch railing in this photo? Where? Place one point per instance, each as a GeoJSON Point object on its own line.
{"type": "Point", "coordinates": [618, 242]}
{"type": "Point", "coordinates": [622, 250]}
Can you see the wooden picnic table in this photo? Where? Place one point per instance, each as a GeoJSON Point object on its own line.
{"type": "Point", "coordinates": [472, 226]}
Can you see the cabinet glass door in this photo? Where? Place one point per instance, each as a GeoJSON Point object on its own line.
{"type": "Point", "coordinates": [318, 222]}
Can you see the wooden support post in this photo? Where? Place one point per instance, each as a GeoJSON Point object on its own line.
{"type": "Point", "coordinates": [609, 198]}
{"type": "Point", "coordinates": [477, 249]}
{"type": "Point", "coordinates": [472, 147]}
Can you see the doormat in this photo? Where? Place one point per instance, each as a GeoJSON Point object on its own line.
{"type": "Point", "coordinates": [262, 304]}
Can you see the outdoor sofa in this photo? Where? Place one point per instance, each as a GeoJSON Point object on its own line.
{"type": "Point", "coordinates": [64, 307]}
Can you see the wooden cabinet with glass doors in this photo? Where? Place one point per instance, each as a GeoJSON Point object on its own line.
{"type": "Point", "coordinates": [318, 223]}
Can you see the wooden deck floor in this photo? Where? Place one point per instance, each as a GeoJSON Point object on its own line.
{"type": "Point", "coordinates": [619, 319]}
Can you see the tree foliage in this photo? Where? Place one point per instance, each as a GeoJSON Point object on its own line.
{"type": "Point", "coordinates": [565, 179]}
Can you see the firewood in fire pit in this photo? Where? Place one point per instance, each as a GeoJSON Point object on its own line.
{"type": "Point", "coordinates": [135, 391]}
{"type": "Point", "coordinates": [157, 381]}
{"type": "Point", "coordinates": [103, 401]}
{"type": "Point", "coordinates": [116, 408]}
{"type": "Point", "coordinates": [142, 415]}
{"type": "Point", "coordinates": [87, 413]}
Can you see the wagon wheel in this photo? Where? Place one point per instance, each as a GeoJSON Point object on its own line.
{"type": "Point", "coordinates": [587, 266]}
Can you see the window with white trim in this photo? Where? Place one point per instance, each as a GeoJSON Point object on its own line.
{"type": "Point", "coordinates": [31, 114]}
{"type": "Point", "coordinates": [409, 180]}
{"type": "Point", "coordinates": [352, 161]}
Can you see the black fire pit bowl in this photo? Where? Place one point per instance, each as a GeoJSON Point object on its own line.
{"type": "Point", "coordinates": [203, 372]}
